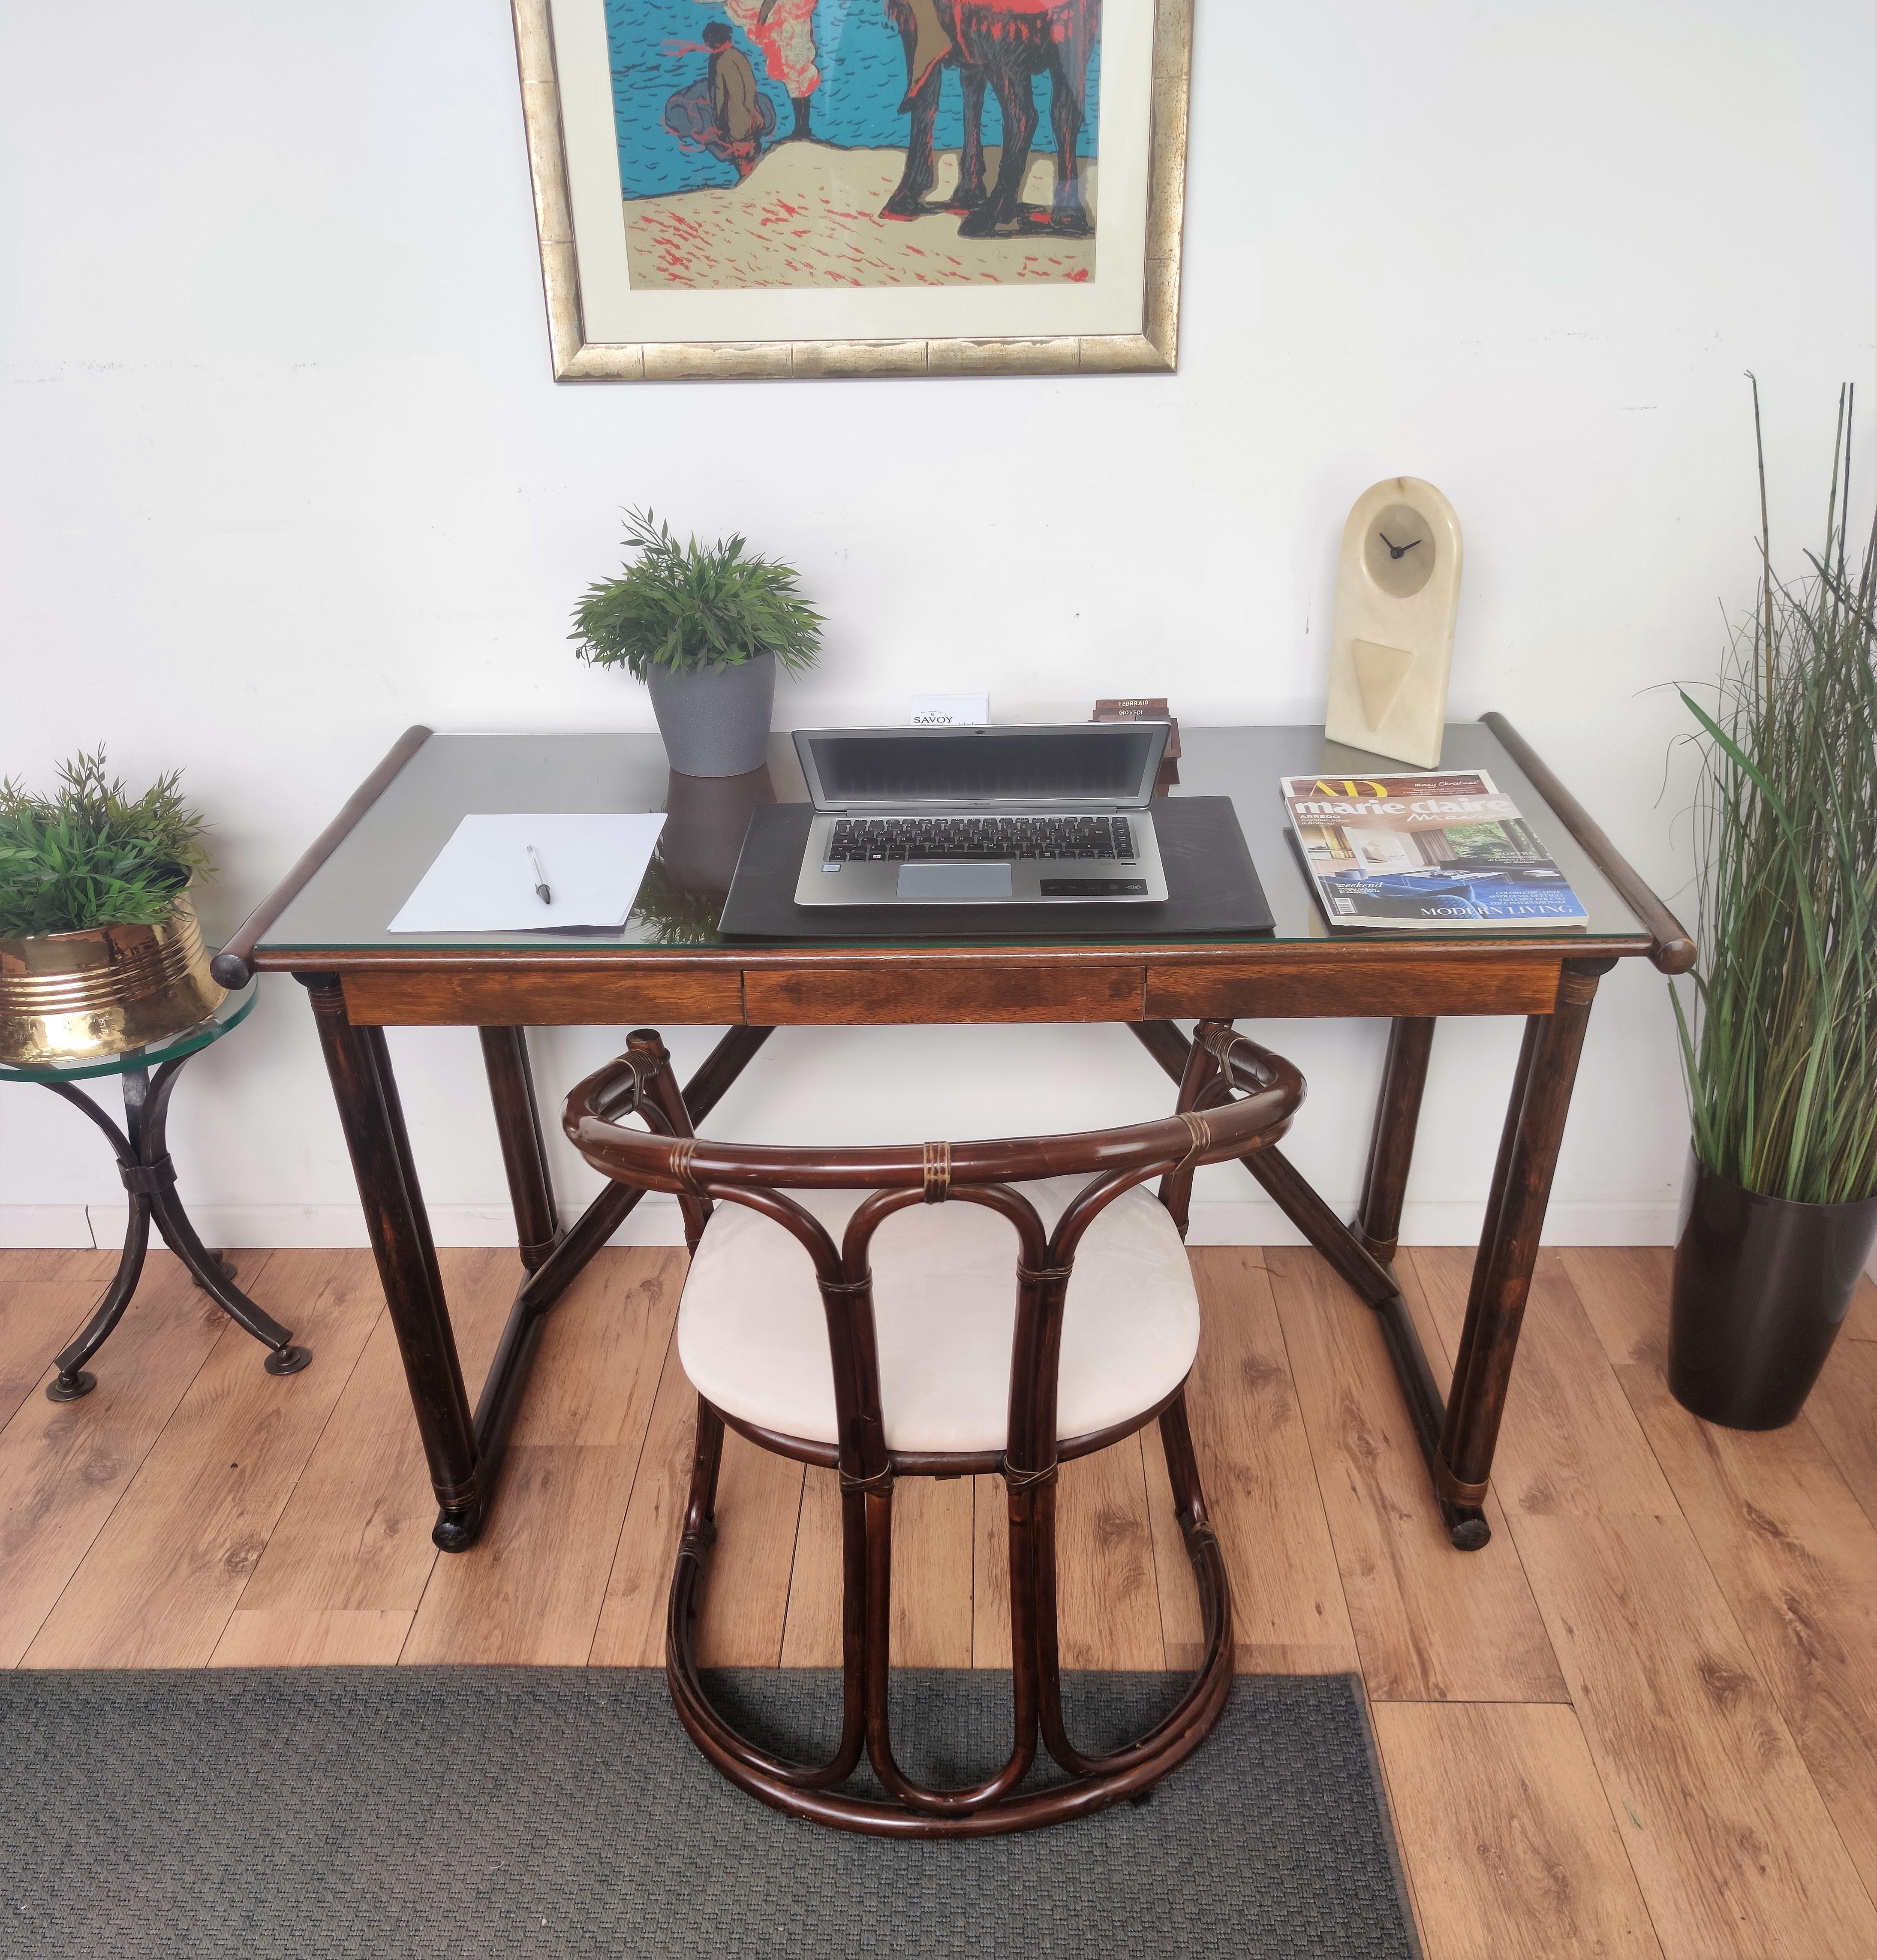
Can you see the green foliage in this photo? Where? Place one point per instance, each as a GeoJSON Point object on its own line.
{"type": "Point", "coordinates": [683, 607]}
{"type": "Point", "coordinates": [1780, 1051]}
{"type": "Point", "coordinates": [88, 856]}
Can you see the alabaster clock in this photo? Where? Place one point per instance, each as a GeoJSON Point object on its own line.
{"type": "Point", "coordinates": [1398, 589]}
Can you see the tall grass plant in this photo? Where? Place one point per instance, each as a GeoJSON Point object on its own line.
{"type": "Point", "coordinates": [1779, 1042]}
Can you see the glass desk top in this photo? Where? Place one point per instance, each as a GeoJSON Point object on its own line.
{"type": "Point", "coordinates": [234, 1010]}
{"type": "Point", "coordinates": [348, 903]}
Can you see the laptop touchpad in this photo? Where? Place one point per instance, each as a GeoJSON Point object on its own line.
{"type": "Point", "coordinates": [954, 881]}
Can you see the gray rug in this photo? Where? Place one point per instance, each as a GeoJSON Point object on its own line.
{"type": "Point", "coordinates": [383, 1813]}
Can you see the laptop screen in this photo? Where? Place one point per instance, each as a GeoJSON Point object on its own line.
{"type": "Point", "coordinates": [1093, 762]}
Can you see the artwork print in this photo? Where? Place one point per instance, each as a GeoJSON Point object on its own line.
{"type": "Point", "coordinates": [841, 144]}
{"type": "Point", "coordinates": [803, 190]}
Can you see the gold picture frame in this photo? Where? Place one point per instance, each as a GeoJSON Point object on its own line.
{"type": "Point", "coordinates": [577, 357]}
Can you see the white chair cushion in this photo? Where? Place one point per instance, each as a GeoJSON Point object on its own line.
{"type": "Point", "coordinates": [753, 1337]}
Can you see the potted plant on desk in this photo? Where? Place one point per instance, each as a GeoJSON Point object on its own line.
{"type": "Point", "coordinates": [100, 950]}
{"type": "Point", "coordinates": [1780, 1209]}
{"type": "Point", "coordinates": [705, 631]}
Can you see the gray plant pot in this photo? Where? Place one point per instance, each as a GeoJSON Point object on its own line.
{"type": "Point", "coordinates": [715, 721]}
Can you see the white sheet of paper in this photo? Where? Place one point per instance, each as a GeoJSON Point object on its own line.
{"type": "Point", "coordinates": [483, 881]}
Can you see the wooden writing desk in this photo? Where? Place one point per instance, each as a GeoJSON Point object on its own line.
{"type": "Point", "coordinates": [325, 925]}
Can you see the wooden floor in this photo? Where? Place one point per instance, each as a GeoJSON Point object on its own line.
{"type": "Point", "coordinates": [1643, 1721]}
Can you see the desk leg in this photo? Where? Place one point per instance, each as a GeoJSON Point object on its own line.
{"type": "Point", "coordinates": [1509, 1248]}
{"type": "Point", "coordinates": [566, 1256]}
{"type": "Point", "coordinates": [1347, 1252]}
{"type": "Point", "coordinates": [1391, 1148]}
{"type": "Point", "coordinates": [1375, 1284]}
{"type": "Point", "coordinates": [363, 1087]}
{"type": "Point", "coordinates": [1457, 1440]}
{"type": "Point", "coordinates": [524, 1150]}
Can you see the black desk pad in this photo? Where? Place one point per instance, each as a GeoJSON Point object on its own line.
{"type": "Point", "coordinates": [1212, 890]}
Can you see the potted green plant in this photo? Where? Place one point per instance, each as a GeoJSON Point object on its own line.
{"type": "Point", "coordinates": [705, 630]}
{"type": "Point", "coordinates": [1779, 1212]}
{"type": "Point", "coordinates": [100, 950]}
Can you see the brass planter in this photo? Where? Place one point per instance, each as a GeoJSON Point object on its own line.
{"type": "Point", "coordinates": [74, 996]}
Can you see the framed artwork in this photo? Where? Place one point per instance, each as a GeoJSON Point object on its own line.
{"type": "Point", "coordinates": [765, 189]}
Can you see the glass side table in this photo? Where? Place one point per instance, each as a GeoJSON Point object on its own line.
{"type": "Point", "coordinates": [149, 1075]}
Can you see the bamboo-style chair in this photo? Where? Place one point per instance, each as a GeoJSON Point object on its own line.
{"type": "Point", "coordinates": [941, 1375]}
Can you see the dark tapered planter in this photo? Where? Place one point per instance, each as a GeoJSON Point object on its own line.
{"type": "Point", "coordinates": [1761, 1285]}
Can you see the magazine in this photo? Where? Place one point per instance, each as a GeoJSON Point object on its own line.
{"type": "Point", "coordinates": [1439, 850]}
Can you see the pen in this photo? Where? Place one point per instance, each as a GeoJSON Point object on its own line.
{"type": "Point", "coordinates": [541, 891]}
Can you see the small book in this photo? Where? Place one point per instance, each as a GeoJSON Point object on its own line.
{"type": "Point", "coordinates": [1146, 708]}
{"type": "Point", "coordinates": [1439, 851]}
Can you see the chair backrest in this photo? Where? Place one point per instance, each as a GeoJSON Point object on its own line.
{"type": "Point", "coordinates": [699, 1170]}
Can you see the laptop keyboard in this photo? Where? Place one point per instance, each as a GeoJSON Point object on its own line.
{"type": "Point", "coordinates": [947, 840]}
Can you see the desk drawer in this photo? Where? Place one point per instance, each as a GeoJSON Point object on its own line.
{"type": "Point", "coordinates": [1276, 988]}
{"type": "Point", "coordinates": [885, 993]}
{"type": "Point", "coordinates": [545, 997]}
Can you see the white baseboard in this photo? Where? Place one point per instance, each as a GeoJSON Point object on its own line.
{"type": "Point", "coordinates": [657, 1222]}
{"type": "Point", "coordinates": [1457, 1222]}
{"type": "Point", "coordinates": [48, 1225]}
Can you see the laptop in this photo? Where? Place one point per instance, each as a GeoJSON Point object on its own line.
{"type": "Point", "coordinates": [982, 816]}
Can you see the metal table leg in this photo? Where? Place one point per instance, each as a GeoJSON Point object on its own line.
{"type": "Point", "coordinates": [149, 1179]}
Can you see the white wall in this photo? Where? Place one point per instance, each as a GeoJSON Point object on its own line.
{"type": "Point", "coordinates": [281, 471]}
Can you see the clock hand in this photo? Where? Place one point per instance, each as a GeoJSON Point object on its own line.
{"type": "Point", "coordinates": [1396, 550]}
